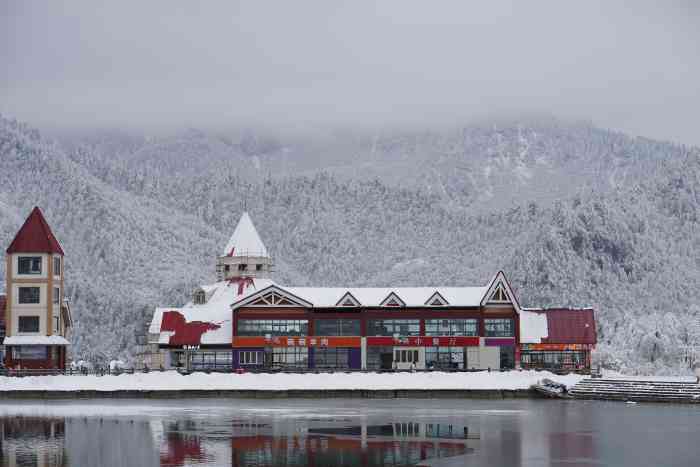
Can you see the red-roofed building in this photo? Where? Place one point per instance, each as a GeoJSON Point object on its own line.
{"type": "Point", "coordinates": [36, 314]}
{"type": "Point", "coordinates": [274, 326]}
{"type": "Point", "coordinates": [568, 342]}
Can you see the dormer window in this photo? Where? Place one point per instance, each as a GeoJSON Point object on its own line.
{"type": "Point", "coordinates": [242, 267]}
{"type": "Point", "coordinates": [29, 265]}
{"type": "Point", "coordinates": [200, 298]}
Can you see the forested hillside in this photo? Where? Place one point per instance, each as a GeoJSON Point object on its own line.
{"type": "Point", "coordinates": [575, 215]}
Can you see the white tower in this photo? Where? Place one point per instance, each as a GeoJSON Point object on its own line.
{"type": "Point", "coordinates": [245, 254]}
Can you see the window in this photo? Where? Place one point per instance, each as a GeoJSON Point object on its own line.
{"type": "Point", "coordinates": [499, 327]}
{"type": "Point", "coordinates": [406, 356]}
{"type": "Point", "coordinates": [451, 327]}
{"type": "Point", "coordinates": [389, 327]}
{"type": "Point", "coordinates": [227, 268]}
{"type": "Point", "coordinates": [242, 267]}
{"type": "Point", "coordinates": [258, 267]}
{"type": "Point", "coordinates": [250, 357]}
{"type": "Point", "coordinates": [330, 357]}
{"type": "Point", "coordinates": [56, 324]}
{"type": "Point", "coordinates": [499, 295]}
{"type": "Point", "coordinates": [29, 295]}
{"type": "Point", "coordinates": [210, 360]}
{"type": "Point", "coordinates": [273, 327]}
{"type": "Point", "coordinates": [29, 265]}
{"type": "Point", "coordinates": [289, 357]}
{"type": "Point", "coordinates": [200, 298]}
{"type": "Point", "coordinates": [56, 295]}
{"type": "Point", "coordinates": [337, 327]}
{"type": "Point", "coordinates": [56, 266]}
{"type": "Point", "coordinates": [30, 352]}
{"type": "Point", "coordinates": [28, 324]}
{"type": "Point", "coordinates": [444, 357]}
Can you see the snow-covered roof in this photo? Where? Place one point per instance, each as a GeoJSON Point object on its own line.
{"type": "Point", "coordinates": [36, 340]}
{"type": "Point", "coordinates": [245, 240]}
{"type": "Point", "coordinates": [216, 312]}
{"type": "Point", "coordinates": [321, 297]}
{"type": "Point", "coordinates": [533, 327]}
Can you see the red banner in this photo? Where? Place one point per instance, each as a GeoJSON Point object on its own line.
{"type": "Point", "coordinates": [556, 347]}
{"type": "Point", "coordinates": [423, 341]}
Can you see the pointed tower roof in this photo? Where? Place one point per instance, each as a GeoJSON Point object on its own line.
{"type": "Point", "coordinates": [245, 240]}
{"type": "Point", "coordinates": [35, 236]}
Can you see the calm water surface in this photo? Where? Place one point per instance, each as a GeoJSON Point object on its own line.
{"type": "Point", "coordinates": [348, 433]}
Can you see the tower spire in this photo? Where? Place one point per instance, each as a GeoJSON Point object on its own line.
{"type": "Point", "coordinates": [245, 254]}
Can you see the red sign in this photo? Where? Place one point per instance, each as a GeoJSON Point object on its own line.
{"type": "Point", "coordinates": [555, 347]}
{"type": "Point", "coordinates": [423, 341]}
{"type": "Point", "coordinates": [303, 341]}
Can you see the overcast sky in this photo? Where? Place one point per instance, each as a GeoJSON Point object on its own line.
{"type": "Point", "coordinates": [294, 63]}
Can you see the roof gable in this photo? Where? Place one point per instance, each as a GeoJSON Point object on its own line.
{"type": "Point", "coordinates": [348, 300]}
{"type": "Point", "coordinates": [245, 240]}
{"type": "Point", "coordinates": [35, 236]}
{"type": "Point", "coordinates": [272, 296]}
{"type": "Point", "coordinates": [436, 300]}
{"type": "Point", "coordinates": [393, 300]}
{"type": "Point", "coordinates": [499, 292]}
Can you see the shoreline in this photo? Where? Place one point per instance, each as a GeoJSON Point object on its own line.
{"type": "Point", "coordinates": [272, 394]}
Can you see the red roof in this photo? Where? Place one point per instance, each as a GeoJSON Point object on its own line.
{"type": "Point", "coordinates": [184, 333]}
{"type": "Point", "coordinates": [570, 326]}
{"type": "Point", "coordinates": [35, 236]}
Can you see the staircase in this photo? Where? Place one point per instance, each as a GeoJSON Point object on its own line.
{"type": "Point", "coordinates": [637, 391]}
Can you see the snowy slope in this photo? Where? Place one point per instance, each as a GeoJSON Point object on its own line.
{"type": "Point", "coordinates": [140, 233]}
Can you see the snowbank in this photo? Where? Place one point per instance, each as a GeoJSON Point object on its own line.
{"type": "Point", "coordinates": [172, 380]}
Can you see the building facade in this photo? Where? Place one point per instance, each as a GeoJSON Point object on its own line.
{"type": "Point", "coordinates": [36, 314]}
{"type": "Point", "coordinates": [247, 321]}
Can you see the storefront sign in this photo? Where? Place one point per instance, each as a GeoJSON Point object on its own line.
{"type": "Point", "coordinates": [422, 341]}
{"type": "Point", "coordinates": [499, 341]}
{"type": "Point", "coordinates": [305, 341]}
{"type": "Point", "coordinates": [556, 347]}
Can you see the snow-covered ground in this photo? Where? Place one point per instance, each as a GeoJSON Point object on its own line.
{"type": "Point", "coordinates": [171, 380]}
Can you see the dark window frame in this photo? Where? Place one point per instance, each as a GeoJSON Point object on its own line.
{"type": "Point", "coordinates": [389, 327]}
{"type": "Point", "coordinates": [455, 327]}
{"type": "Point", "coordinates": [24, 320]}
{"type": "Point", "coordinates": [22, 298]}
{"type": "Point", "coordinates": [27, 265]}
{"type": "Point", "coordinates": [499, 327]}
{"type": "Point", "coordinates": [341, 327]}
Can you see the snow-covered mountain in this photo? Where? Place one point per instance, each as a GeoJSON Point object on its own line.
{"type": "Point", "coordinates": [576, 215]}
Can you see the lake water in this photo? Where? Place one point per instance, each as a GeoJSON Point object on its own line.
{"type": "Point", "coordinates": [229, 432]}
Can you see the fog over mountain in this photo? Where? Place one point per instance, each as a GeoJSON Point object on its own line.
{"type": "Point", "coordinates": [576, 215]}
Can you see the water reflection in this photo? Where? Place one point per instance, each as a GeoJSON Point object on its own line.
{"type": "Point", "coordinates": [116, 441]}
{"type": "Point", "coordinates": [518, 433]}
{"type": "Point", "coordinates": [33, 441]}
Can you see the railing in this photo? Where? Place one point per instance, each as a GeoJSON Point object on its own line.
{"type": "Point", "coordinates": [100, 371]}
{"type": "Point", "coordinates": [97, 371]}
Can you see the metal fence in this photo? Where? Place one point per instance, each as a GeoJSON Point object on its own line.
{"type": "Point", "coordinates": [105, 371]}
